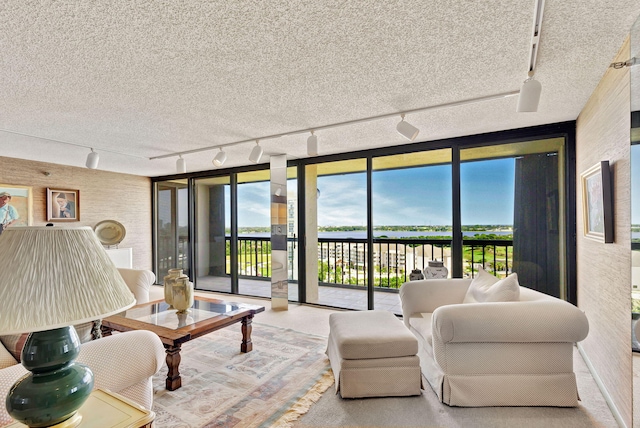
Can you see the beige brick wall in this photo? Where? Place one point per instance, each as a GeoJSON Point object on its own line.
{"type": "Point", "coordinates": [103, 196]}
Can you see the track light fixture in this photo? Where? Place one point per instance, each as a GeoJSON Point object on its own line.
{"type": "Point", "coordinates": [530, 90]}
{"type": "Point", "coordinates": [220, 158]}
{"type": "Point", "coordinates": [407, 130]}
{"type": "Point", "coordinates": [256, 153]}
{"type": "Point", "coordinates": [181, 165]}
{"type": "Point", "coordinates": [404, 128]}
{"type": "Point", "coordinates": [92, 160]}
{"type": "Point", "coordinates": [312, 145]}
{"type": "Point", "coordinates": [529, 95]}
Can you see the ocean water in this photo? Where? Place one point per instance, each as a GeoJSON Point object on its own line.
{"type": "Point", "coordinates": [361, 234]}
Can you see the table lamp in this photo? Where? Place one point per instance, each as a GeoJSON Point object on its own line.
{"type": "Point", "coordinates": [53, 278]}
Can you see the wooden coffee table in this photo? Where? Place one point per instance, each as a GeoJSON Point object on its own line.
{"type": "Point", "coordinates": [206, 315]}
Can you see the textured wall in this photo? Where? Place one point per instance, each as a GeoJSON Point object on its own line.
{"type": "Point", "coordinates": [103, 196]}
{"type": "Point", "coordinates": [604, 270]}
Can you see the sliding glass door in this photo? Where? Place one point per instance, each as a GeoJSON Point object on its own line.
{"type": "Point", "coordinates": [213, 233]}
{"type": "Point", "coordinates": [512, 209]}
{"type": "Point", "coordinates": [254, 234]}
{"type": "Point", "coordinates": [340, 213]}
{"type": "Point", "coordinates": [172, 228]}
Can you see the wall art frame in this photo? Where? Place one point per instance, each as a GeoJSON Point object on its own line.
{"type": "Point", "coordinates": [63, 205]}
{"type": "Point", "coordinates": [597, 202]}
{"type": "Point", "coordinates": [21, 201]}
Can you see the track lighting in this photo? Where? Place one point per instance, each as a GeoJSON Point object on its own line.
{"type": "Point", "coordinates": [404, 128]}
{"type": "Point", "coordinates": [220, 158]}
{"type": "Point", "coordinates": [92, 160]}
{"type": "Point", "coordinates": [407, 130]}
{"type": "Point", "coordinates": [529, 96]}
{"type": "Point", "coordinates": [256, 153]}
{"type": "Point", "coordinates": [181, 165]}
{"type": "Point", "coordinates": [312, 145]}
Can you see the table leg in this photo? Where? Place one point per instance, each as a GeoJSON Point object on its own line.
{"type": "Point", "coordinates": [246, 345]}
{"type": "Point", "coordinates": [174, 381]}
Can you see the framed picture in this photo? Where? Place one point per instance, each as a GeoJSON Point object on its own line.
{"type": "Point", "coordinates": [16, 205]}
{"type": "Point", "coordinates": [597, 202]}
{"type": "Point", "coordinates": [63, 205]}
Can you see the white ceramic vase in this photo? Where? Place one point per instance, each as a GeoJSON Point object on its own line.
{"type": "Point", "coordinates": [182, 294]}
{"type": "Point", "coordinates": [169, 281]}
{"type": "Point", "coordinates": [435, 270]}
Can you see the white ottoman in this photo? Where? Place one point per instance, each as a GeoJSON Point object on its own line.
{"type": "Point", "coordinates": [373, 354]}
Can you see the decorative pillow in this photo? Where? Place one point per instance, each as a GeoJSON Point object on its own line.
{"type": "Point", "coordinates": [86, 332]}
{"type": "Point", "coordinates": [14, 343]}
{"type": "Point", "coordinates": [487, 288]}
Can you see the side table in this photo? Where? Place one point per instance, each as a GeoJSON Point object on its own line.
{"type": "Point", "coordinates": [105, 409]}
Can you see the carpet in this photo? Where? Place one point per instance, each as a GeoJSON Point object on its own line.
{"type": "Point", "coordinates": [222, 387]}
{"type": "Point", "coordinates": [426, 411]}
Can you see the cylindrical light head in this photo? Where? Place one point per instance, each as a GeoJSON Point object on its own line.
{"type": "Point", "coordinates": [181, 165]}
{"type": "Point", "coordinates": [92, 160]}
{"type": "Point", "coordinates": [312, 145]}
{"type": "Point", "coordinates": [407, 130]}
{"type": "Point", "coordinates": [529, 96]}
{"type": "Point", "coordinates": [220, 158]}
{"type": "Point", "coordinates": [256, 153]}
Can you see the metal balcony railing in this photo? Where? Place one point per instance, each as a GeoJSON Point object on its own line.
{"type": "Point", "coordinates": [172, 256]}
{"type": "Point", "coordinates": [343, 262]}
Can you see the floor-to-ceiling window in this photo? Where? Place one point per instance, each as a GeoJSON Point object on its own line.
{"type": "Point", "coordinates": [361, 223]}
{"type": "Point", "coordinates": [512, 209]}
{"type": "Point", "coordinates": [212, 233]}
{"type": "Point", "coordinates": [172, 227]}
{"type": "Point", "coordinates": [411, 203]}
{"type": "Point", "coordinates": [340, 213]}
{"type": "Point", "coordinates": [412, 219]}
{"type": "Point", "coordinates": [254, 233]}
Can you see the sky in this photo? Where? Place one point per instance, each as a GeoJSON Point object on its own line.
{"type": "Point", "coordinates": [410, 196]}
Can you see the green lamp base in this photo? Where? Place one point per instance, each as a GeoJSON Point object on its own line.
{"type": "Point", "coordinates": [56, 386]}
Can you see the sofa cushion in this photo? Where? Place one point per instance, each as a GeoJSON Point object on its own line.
{"type": "Point", "coordinates": [487, 288]}
{"type": "Point", "coordinates": [421, 325]}
{"type": "Point", "coordinates": [15, 342]}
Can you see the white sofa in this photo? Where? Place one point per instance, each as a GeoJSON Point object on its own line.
{"type": "Point", "coordinates": [517, 353]}
{"type": "Point", "coordinates": [139, 282]}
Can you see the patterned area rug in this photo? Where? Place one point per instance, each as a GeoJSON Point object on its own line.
{"type": "Point", "coordinates": [221, 387]}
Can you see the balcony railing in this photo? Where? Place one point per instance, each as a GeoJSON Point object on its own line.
{"type": "Point", "coordinates": [170, 255]}
{"type": "Point", "coordinates": [343, 262]}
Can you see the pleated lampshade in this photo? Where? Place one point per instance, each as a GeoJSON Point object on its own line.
{"type": "Point", "coordinates": [54, 277]}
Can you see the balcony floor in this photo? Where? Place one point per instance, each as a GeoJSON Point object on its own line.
{"type": "Point", "coordinates": [337, 297]}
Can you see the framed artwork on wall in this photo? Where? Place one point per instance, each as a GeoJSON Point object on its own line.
{"type": "Point", "coordinates": [16, 206]}
{"type": "Point", "coordinates": [63, 205]}
{"type": "Point", "coordinates": [597, 202]}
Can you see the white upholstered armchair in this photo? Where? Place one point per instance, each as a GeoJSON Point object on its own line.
{"type": "Point", "coordinates": [139, 282]}
{"type": "Point", "coordinates": [494, 353]}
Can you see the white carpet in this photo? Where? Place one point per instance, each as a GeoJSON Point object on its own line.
{"type": "Point", "coordinates": [427, 411]}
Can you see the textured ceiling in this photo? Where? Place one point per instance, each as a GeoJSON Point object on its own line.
{"type": "Point", "coordinates": [149, 78]}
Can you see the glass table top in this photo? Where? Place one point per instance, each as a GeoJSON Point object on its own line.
{"type": "Point", "coordinates": [159, 313]}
